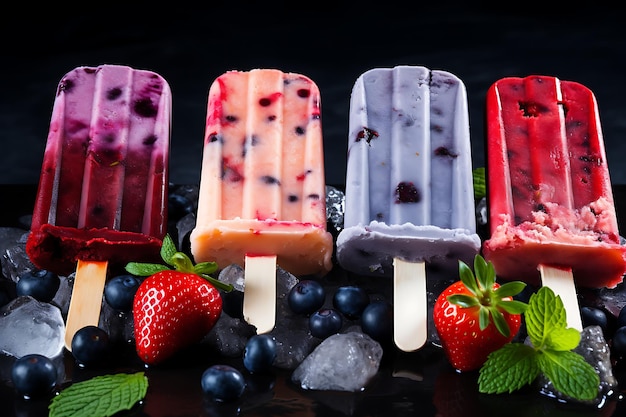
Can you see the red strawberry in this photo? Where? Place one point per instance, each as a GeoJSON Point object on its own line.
{"type": "Point", "coordinates": [476, 316]}
{"type": "Point", "coordinates": [173, 310]}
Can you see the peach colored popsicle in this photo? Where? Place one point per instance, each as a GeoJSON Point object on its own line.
{"type": "Point", "coordinates": [262, 189]}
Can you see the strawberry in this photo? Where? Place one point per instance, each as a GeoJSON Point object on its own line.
{"type": "Point", "coordinates": [476, 316]}
{"type": "Point", "coordinates": [173, 309]}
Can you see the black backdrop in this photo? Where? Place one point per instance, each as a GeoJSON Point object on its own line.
{"type": "Point", "coordinates": [190, 46]}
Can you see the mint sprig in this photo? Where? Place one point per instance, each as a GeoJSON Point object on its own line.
{"type": "Point", "coordinates": [180, 262]}
{"type": "Point", "coordinates": [101, 396]}
{"type": "Point", "coordinates": [516, 364]}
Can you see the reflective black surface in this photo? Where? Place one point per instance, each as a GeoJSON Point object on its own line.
{"type": "Point", "coordinates": [419, 383]}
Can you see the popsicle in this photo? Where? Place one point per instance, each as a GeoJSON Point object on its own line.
{"type": "Point", "coordinates": [409, 192]}
{"type": "Point", "coordinates": [552, 216]}
{"type": "Point", "coordinates": [262, 187]}
{"type": "Point", "coordinates": [102, 195]}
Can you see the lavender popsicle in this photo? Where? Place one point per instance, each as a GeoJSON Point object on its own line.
{"type": "Point", "coordinates": [409, 192]}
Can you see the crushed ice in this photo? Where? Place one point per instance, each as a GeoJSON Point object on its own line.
{"type": "Point", "coordinates": [342, 362]}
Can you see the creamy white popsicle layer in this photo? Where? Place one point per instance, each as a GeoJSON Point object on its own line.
{"type": "Point", "coordinates": [409, 191]}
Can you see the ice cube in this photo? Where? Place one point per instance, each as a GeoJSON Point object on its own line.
{"type": "Point", "coordinates": [594, 349]}
{"type": "Point", "coordinates": [342, 362]}
{"type": "Point", "coordinates": [13, 258]}
{"type": "Point", "coordinates": [29, 326]}
{"type": "Point", "coordinates": [229, 336]}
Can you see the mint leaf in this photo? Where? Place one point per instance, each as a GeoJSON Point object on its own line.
{"type": "Point", "coordinates": [570, 374]}
{"type": "Point", "coordinates": [144, 270]}
{"type": "Point", "coordinates": [516, 364]}
{"type": "Point", "coordinates": [508, 369]}
{"type": "Point", "coordinates": [102, 396]}
{"type": "Point", "coordinates": [478, 176]}
{"type": "Point", "coordinates": [545, 313]}
{"type": "Point", "coordinates": [563, 339]}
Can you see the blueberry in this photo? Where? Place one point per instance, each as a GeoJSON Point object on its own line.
{"type": "Point", "coordinates": [618, 347]}
{"type": "Point", "coordinates": [406, 192]}
{"type": "Point", "coordinates": [377, 321]}
{"type": "Point", "coordinates": [119, 292]}
{"type": "Point", "coordinates": [91, 346]}
{"type": "Point", "coordinates": [351, 301]}
{"type": "Point", "coordinates": [223, 383]}
{"type": "Point", "coordinates": [260, 353]}
{"type": "Point", "coordinates": [325, 322]}
{"type": "Point", "coordinates": [306, 297]}
{"type": "Point", "coordinates": [33, 375]}
{"type": "Point", "coordinates": [592, 316]}
{"type": "Point", "coordinates": [145, 108]}
{"type": "Point", "coordinates": [40, 284]}
{"type": "Point", "coordinates": [178, 206]}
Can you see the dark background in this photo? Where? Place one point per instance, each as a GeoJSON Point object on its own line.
{"type": "Point", "coordinates": [190, 46]}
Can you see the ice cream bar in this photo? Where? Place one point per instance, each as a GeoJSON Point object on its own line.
{"type": "Point", "coordinates": [409, 192]}
{"type": "Point", "coordinates": [102, 195]}
{"type": "Point", "coordinates": [550, 198]}
{"type": "Point", "coordinates": [262, 187]}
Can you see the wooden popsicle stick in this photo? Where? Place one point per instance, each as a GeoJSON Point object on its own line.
{"type": "Point", "coordinates": [259, 293]}
{"type": "Point", "coordinates": [561, 281]}
{"type": "Point", "coordinates": [86, 300]}
{"type": "Point", "coordinates": [410, 321]}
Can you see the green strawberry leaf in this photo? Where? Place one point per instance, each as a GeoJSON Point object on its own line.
{"type": "Point", "coordinates": [570, 374]}
{"type": "Point", "coordinates": [144, 269]}
{"type": "Point", "coordinates": [205, 268]}
{"type": "Point", "coordinates": [463, 300]}
{"type": "Point", "coordinates": [101, 396]}
{"type": "Point", "coordinates": [467, 277]}
{"type": "Point", "coordinates": [480, 189]}
{"type": "Point", "coordinates": [499, 321]}
{"type": "Point", "coordinates": [168, 249]}
{"type": "Point", "coordinates": [509, 289]}
{"type": "Point", "coordinates": [483, 318]}
{"type": "Point", "coordinates": [491, 301]}
{"type": "Point", "coordinates": [485, 273]}
{"type": "Point", "coordinates": [181, 262]}
{"type": "Point", "coordinates": [513, 306]}
{"type": "Point", "coordinates": [508, 369]}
